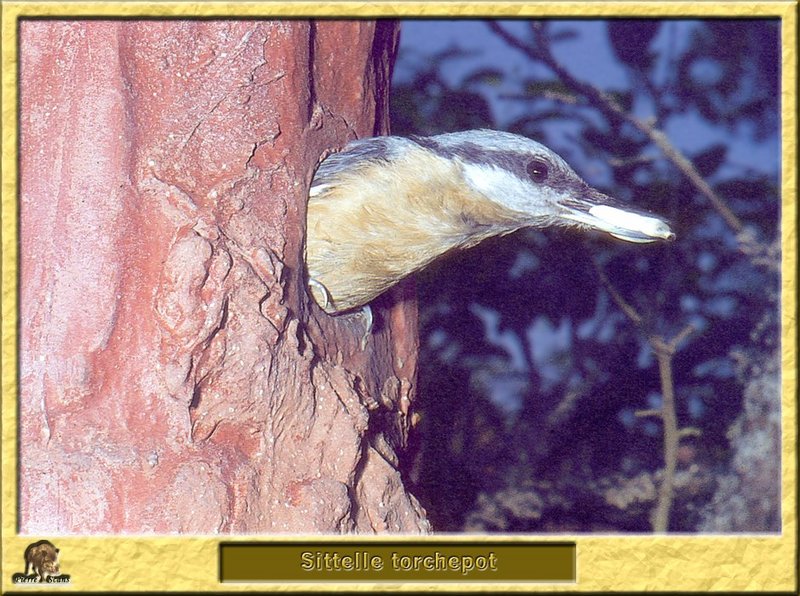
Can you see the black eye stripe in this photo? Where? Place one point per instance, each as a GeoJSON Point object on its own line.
{"type": "Point", "coordinates": [538, 170]}
{"type": "Point", "coordinates": [516, 162]}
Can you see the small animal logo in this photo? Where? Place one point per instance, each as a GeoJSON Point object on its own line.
{"type": "Point", "coordinates": [41, 565]}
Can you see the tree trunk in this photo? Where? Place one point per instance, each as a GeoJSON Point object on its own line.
{"type": "Point", "coordinates": [174, 374]}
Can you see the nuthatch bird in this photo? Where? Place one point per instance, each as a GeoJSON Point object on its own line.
{"type": "Point", "coordinates": [385, 207]}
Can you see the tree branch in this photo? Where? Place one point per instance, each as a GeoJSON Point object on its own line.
{"type": "Point", "coordinates": [664, 351]}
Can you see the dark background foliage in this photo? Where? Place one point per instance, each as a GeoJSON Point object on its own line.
{"type": "Point", "coordinates": [539, 397]}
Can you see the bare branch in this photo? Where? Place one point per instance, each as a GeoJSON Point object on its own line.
{"type": "Point", "coordinates": [626, 308]}
{"type": "Point", "coordinates": [647, 413]}
{"type": "Point", "coordinates": [664, 351]}
{"type": "Point", "coordinates": [690, 431]}
{"type": "Point", "coordinates": [660, 516]}
{"type": "Point", "coordinates": [683, 334]}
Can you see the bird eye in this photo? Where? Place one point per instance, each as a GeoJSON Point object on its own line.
{"type": "Point", "coordinates": [537, 170]}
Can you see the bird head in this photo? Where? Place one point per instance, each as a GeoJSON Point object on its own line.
{"type": "Point", "coordinates": [542, 190]}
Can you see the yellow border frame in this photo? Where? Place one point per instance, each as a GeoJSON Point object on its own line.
{"type": "Point", "coordinates": [675, 563]}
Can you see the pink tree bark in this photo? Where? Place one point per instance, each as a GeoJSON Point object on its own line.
{"type": "Point", "coordinates": [174, 374]}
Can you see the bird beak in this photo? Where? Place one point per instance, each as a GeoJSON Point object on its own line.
{"type": "Point", "coordinates": [601, 212]}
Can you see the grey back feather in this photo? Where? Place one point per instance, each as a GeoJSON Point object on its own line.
{"type": "Point", "coordinates": [358, 154]}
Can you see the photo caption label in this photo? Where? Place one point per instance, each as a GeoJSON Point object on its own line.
{"type": "Point", "coordinates": [380, 561]}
